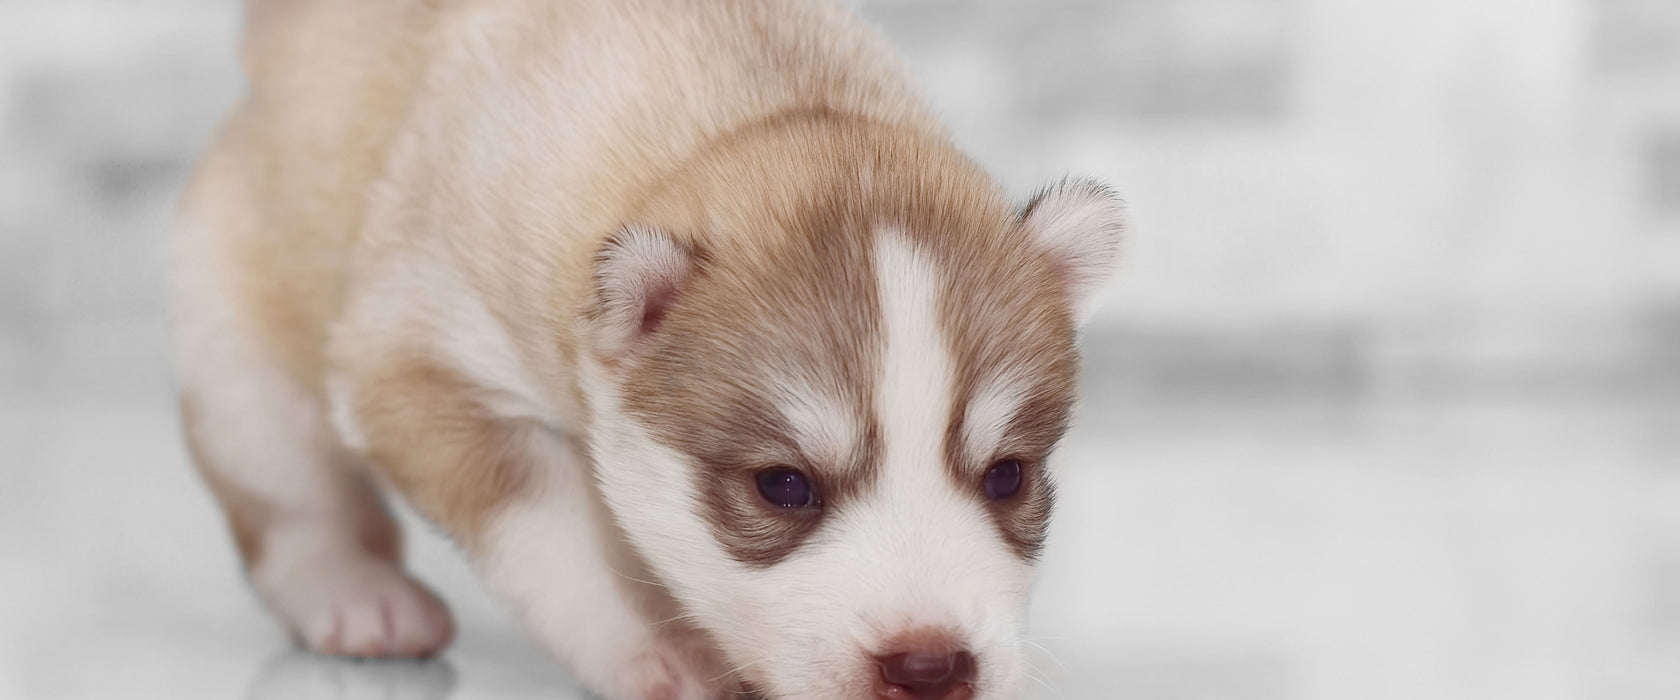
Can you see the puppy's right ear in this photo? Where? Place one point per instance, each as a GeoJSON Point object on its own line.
{"type": "Point", "coordinates": [637, 276]}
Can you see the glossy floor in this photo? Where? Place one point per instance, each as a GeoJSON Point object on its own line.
{"type": "Point", "coordinates": [1379, 549]}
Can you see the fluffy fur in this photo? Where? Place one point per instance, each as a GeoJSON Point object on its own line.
{"type": "Point", "coordinates": [565, 276]}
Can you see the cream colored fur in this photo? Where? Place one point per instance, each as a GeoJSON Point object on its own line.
{"type": "Point", "coordinates": [364, 210]}
{"type": "Point", "coordinates": [383, 269]}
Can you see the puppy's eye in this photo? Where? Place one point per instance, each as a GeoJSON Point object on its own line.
{"type": "Point", "coordinates": [786, 488]}
{"type": "Point", "coordinates": [1003, 479]}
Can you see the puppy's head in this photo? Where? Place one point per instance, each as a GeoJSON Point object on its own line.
{"type": "Point", "coordinates": [828, 430]}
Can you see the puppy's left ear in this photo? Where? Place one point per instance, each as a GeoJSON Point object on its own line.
{"type": "Point", "coordinates": [638, 274]}
{"type": "Point", "coordinates": [1078, 224]}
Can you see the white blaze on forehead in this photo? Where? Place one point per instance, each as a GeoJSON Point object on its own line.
{"type": "Point", "coordinates": [913, 396]}
{"type": "Point", "coordinates": [933, 558]}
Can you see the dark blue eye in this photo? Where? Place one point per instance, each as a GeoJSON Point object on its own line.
{"type": "Point", "coordinates": [1003, 479]}
{"type": "Point", "coordinates": [786, 488]}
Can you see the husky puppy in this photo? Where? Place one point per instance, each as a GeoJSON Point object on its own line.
{"type": "Point", "coordinates": [684, 319]}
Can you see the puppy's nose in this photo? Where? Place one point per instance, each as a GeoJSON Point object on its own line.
{"type": "Point", "coordinates": [926, 672]}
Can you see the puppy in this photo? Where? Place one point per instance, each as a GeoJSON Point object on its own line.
{"type": "Point", "coordinates": [685, 320]}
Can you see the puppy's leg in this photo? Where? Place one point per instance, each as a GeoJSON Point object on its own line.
{"type": "Point", "coordinates": [522, 500]}
{"type": "Point", "coordinates": [317, 543]}
{"type": "Point", "coordinates": [556, 555]}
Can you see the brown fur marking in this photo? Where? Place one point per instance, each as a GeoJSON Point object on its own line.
{"type": "Point", "coordinates": [809, 306]}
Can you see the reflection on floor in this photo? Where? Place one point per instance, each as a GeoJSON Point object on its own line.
{"type": "Point", "coordinates": [1381, 549]}
{"type": "Point", "coordinates": [300, 675]}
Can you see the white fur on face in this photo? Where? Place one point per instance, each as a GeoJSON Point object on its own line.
{"type": "Point", "coordinates": [989, 413]}
{"type": "Point", "coordinates": [819, 420]}
{"type": "Point", "coordinates": [913, 552]}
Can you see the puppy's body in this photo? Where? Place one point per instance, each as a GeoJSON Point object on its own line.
{"type": "Point", "coordinates": [569, 277]}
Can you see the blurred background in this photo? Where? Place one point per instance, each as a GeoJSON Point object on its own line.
{"type": "Point", "coordinates": [1385, 403]}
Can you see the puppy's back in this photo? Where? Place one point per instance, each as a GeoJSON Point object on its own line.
{"type": "Point", "coordinates": [275, 205]}
{"type": "Point", "coordinates": [521, 129]}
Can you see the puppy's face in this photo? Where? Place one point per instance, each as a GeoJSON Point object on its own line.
{"type": "Point", "coordinates": [833, 444]}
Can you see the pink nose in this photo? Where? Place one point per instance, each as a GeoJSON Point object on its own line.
{"type": "Point", "coordinates": [926, 668]}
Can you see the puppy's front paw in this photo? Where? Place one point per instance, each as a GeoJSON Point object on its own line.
{"type": "Point", "coordinates": [362, 608]}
